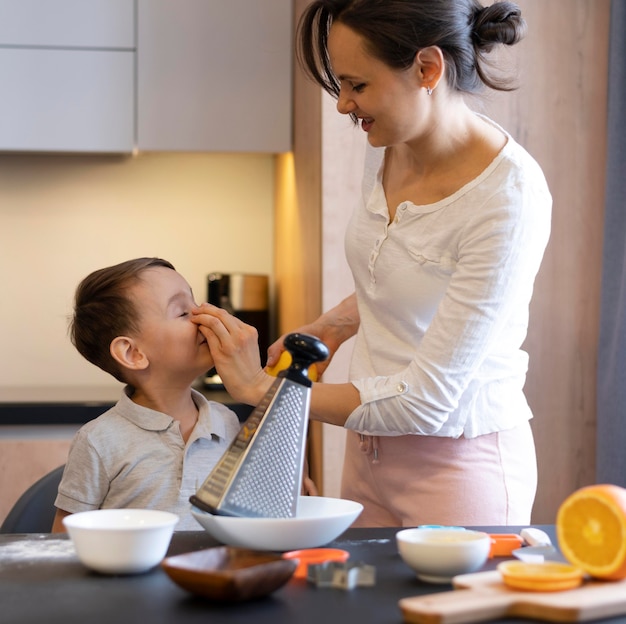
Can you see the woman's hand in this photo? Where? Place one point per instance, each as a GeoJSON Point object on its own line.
{"type": "Point", "coordinates": [234, 347]}
{"type": "Point", "coordinates": [275, 349]}
{"type": "Point", "coordinates": [333, 328]}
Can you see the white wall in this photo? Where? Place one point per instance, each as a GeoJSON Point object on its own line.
{"type": "Point", "coordinates": [341, 189]}
{"type": "Point", "coordinates": [62, 216]}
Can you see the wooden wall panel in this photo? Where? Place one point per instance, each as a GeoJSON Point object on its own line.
{"type": "Point", "coordinates": [24, 460]}
{"type": "Point", "coordinates": [559, 115]}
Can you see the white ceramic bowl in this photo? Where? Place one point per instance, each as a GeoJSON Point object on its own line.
{"type": "Point", "coordinates": [319, 520]}
{"type": "Point", "coordinates": [121, 541]}
{"type": "Point", "coordinates": [436, 555]}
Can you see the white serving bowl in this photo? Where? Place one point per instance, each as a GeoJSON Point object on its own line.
{"type": "Point", "coordinates": [121, 541]}
{"type": "Point", "coordinates": [319, 520]}
{"type": "Point", "coordinates": [436, 555]}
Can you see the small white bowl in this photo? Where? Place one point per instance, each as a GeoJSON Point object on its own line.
{"type": "Point", "coordinates": [319, 520]}
{"type": "Point", "coordinates": [437, 555]}
{"type": "Point", "coordinates": [121, 541]}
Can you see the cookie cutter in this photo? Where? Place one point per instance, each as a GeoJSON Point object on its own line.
{"type": "Point", "coordinates": [342, 575]}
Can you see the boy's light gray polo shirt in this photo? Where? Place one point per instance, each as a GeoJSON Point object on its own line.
{"type": "Point", "coordinates": [132, 456]}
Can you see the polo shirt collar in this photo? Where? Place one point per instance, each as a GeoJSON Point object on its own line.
{"type": "Point", "coordinates": [153, 420]}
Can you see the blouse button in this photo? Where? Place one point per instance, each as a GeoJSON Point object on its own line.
{"type": "Point", "coordinates": [402, 387]}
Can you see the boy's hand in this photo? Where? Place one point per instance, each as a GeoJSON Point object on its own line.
{"type": "Point", "coordinates": [235, 350]}
{"type": "Point", "coordinates": [308, 487]}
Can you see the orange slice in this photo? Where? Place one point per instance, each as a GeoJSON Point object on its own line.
{"type": "Point", "coordinates": [284, 361]}
{"type": "Point", "coordinates": [542, 577]}
{"type": "Point", "coordinates": [591, 530]}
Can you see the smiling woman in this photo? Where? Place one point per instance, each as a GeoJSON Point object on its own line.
{"type": "Point", "coordinates": [444, 245]}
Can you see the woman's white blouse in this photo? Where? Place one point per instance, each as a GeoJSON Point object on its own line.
{"type": "Point", "coordinates": [443, 295]}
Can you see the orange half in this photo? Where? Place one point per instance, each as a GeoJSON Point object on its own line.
{"type": "Point", "coordinates": [591, 530]}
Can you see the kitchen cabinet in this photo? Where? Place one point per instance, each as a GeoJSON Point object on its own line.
{"type": "Point", "coordinates": [67, 23]}
{"type": "Point", "coordinates": [214, 75]}
{"type": "Point", "coordinates": [26, 455]}
{"type": "Point", "coordinates": [67, 69]}
{"type": "Point", "coordinates": [119, 75]}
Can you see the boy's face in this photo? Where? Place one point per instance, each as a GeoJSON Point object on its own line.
{"type": "Point", "coordinates": [173, 344]}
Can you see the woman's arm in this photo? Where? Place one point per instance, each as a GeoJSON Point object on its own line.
{"type": "Point", "coordinates": [333, 403]}
{"type": "Point", "coordinates": [333, 328]}
{"type": "Point", "coordinates": [235, 351]}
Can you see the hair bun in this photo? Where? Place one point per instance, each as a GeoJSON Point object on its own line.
{"type": "Point", "coordinates": [501, 22]}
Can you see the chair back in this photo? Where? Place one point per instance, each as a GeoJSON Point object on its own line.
{"type": "Point", "coordinates": [34, 510]}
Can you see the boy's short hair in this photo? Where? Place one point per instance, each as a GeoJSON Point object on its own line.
{"type": "Point", "coordinates": [103, 311]}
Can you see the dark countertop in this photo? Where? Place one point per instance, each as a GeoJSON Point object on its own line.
{"type": "Point", "coordinates": [67, 405]}
{"type": "Point", "coordinates": [37, 588]}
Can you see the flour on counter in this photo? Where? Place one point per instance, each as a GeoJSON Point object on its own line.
{"type": "Point", "coordinates": [34, 551]}
{"type": "Point", "coordinates": [384, 540]}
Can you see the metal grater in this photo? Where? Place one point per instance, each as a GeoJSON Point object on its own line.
{"type": "Point", "coordinates": [260, 474]}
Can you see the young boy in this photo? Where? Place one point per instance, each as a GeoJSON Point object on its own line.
{"type": "Point", "coordinates": [157, 445]}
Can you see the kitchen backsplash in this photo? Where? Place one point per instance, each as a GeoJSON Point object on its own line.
{"type": "Point", "coordinates": [62, 216]}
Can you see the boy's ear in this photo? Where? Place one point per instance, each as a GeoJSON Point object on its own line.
{"type": "Point", "coordinates": [127, 353]}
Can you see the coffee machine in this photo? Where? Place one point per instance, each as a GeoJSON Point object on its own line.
{"type": "Point", "coordinates": [247, 297]}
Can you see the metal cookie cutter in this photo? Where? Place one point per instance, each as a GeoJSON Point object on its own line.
{"type": "Point", "coordinates": [537, 547]}
{"type": "Point", "coordinates": [342, 575]}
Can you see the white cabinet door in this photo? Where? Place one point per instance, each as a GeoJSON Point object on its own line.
{"type": "Point", "coordinates": [214, 75]}
{"type": "Point", "coordinates": [72, 23]}
{"type": "Point", "coordinates": [67, 75]}
{"type": "Point", "coordinates": [66, 100]}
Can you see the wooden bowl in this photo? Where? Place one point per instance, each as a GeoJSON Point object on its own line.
{"type": "Point", "coordinates": [225, 573]}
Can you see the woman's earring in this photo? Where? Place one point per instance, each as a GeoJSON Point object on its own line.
{"type": "Point", "coordinates": [429, 91]}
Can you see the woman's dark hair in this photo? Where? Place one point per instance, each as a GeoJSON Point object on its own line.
{"type": "Point", "coordinates": [395, 30]}
{"type": "Point", "coordinates": [103, 310]}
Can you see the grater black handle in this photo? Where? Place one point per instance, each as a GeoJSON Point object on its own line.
{"type": "Point", "coordinates": [305, 350]}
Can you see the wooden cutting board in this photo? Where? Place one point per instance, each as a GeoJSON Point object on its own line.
{"type": "Point", "coordinates": [482, 596]}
